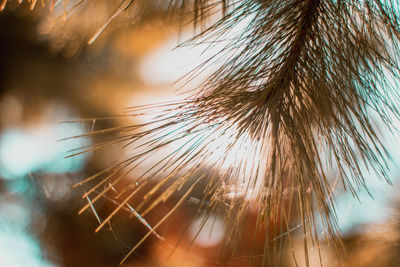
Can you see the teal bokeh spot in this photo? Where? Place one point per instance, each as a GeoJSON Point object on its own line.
{"type": "Point", "coordinates": [23, 152]}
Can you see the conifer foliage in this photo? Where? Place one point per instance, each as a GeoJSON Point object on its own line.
{"type": "Point", "coordinates": [297, 90]}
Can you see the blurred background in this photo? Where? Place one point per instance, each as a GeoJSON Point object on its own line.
{"type": "Point", "coordinates": [49, 74]}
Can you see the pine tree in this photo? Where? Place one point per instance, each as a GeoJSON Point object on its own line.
{"type": "Point", "coordinates": [297, 90]}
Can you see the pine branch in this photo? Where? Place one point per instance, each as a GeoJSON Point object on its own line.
{"type": "Point", "coordinates": [297, 90]}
